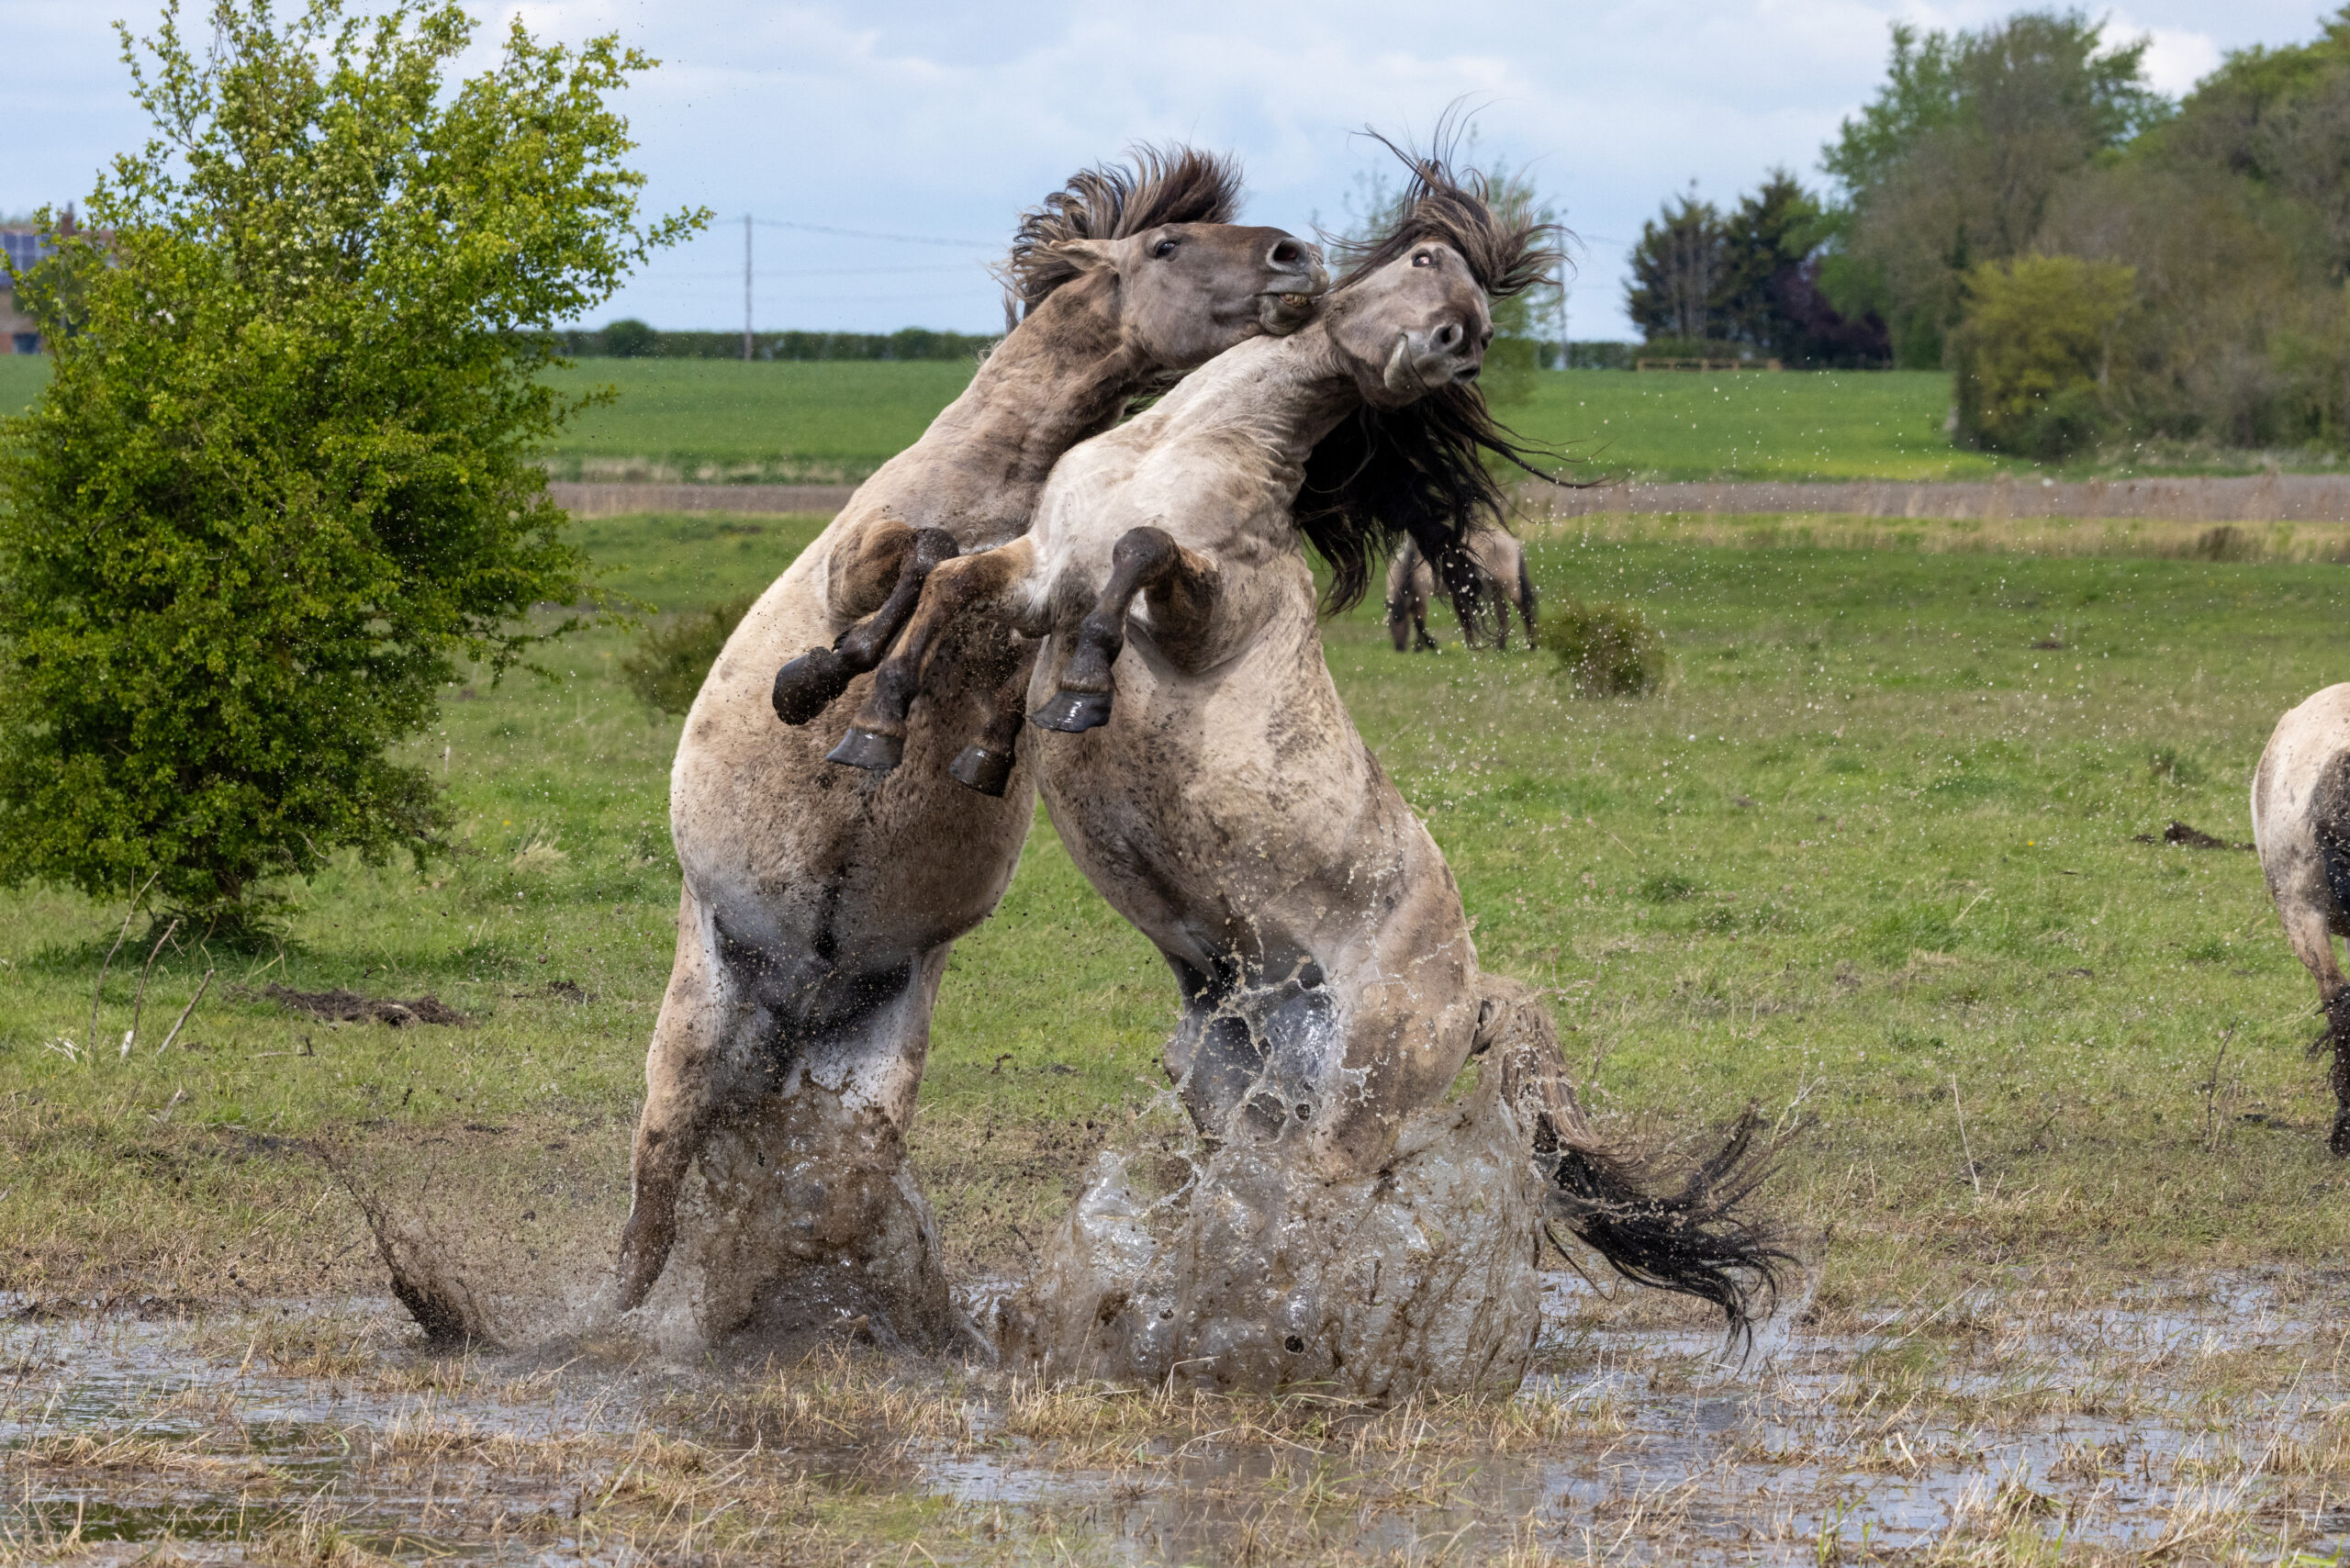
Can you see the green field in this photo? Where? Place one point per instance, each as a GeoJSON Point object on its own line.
{"type": "Point", "coordinates": [716, 419]}
{"type": "Point", "coordinates": [1869, 861]}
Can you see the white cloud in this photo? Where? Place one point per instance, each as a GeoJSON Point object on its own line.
{"type": "Point", "coordinates": [2178, 58]}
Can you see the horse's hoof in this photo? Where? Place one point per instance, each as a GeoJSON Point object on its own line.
{"type": "Point", "coordinates": [806, 687]}
{"type": "Point", "coordinates": [870, 750]}
{"type": "Point", "coordinates": [1073, 712]}
{"type": "Point", "coordinates": [2339, 1142]}
{"type": "Point", "coordinates": [983, 768]}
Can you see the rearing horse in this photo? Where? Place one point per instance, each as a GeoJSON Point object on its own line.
{"type": "Point", "coordinates": [819, 906]}
{"type": "Point", "coordinates": [1205, 777]}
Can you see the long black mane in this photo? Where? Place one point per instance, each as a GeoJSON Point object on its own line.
{"type": "Point", "coordinates": [1384, 476]}
{"type": "Point", "coordinates": [1164, 185]}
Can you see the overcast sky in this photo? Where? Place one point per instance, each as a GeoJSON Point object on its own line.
{"type": "Point", "coordinates": [910, 118]}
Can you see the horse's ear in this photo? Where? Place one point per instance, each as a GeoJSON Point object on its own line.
{"type": "Point", "coordinates": [1087, 255]}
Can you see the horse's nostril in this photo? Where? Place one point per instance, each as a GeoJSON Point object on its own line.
{"type": "Point", "coordinates": [1288, 253]}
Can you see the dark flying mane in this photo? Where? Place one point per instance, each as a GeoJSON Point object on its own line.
{"type": "Point", "coordinates": [1419, 471]}
{"type": "Point", "coordinates": [1166, 185]}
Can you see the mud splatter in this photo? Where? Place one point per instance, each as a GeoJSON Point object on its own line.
{"type": "Point", "coordinates": [349, 1007]}
{"type": "Point", "coordinates": [1418, 1280]}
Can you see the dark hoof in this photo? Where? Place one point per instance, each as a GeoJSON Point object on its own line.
{"type": "Point", "coordinates": [806, 687]}
{"type": "Point", "coordinates": [864, 749]}
{"type": "Point", "coordinates": [1073, 712]}
{"type": "Point", "coordinates": [983, 768]}
{"type": "Point", "coordinates": [2339, 1142]}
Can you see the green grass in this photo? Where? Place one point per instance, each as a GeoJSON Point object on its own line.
{"type": "Point", "coordinates": [1752, 425]}
{"type": "Point", "coordinates": [1870, 845]}
{"type": "Point", "coordinates": [721, 420]}
{"type": "Point", "coordinates": [22, 375]}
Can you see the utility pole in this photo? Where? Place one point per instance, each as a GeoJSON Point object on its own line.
{"type": "Point", "coordinates": [1566, 344]}
{"type": "Point", "coordinates": [747, 289]}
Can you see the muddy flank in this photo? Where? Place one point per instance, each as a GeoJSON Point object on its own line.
{"type": "Point", "coordinates": [2195, 1420]}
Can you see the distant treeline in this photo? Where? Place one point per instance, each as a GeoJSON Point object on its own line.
{"type": "Point", "coordinates": [2101, 266]}
{"type": "Point", "coordinates": [634, 340]}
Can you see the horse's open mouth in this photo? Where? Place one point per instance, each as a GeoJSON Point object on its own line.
{"type": "Point", "coordinates": [1286, 310]}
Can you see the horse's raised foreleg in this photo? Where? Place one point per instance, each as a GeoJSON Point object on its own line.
{"type": "Point", "coordinates": [1180, 593]}
{"type": "Point", "coordinates": [894, 554]}
{"type": "Point", "coordinates": [877, 736]}
{"type": "Point", "coordinates": [986, 764]}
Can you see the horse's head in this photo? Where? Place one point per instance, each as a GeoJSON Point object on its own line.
{"type": "Point", "coordinates": [1186, 292]}
{"type": "Point", "coordinates": [1151, 251]}
{"type": "Point", "coordinates": [1414, 326]}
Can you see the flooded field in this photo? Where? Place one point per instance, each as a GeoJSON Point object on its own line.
{"type": "Point", "coordinates": [2182, 1421]}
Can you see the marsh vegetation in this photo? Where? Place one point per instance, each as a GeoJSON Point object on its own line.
{"type": "Point", "coordinates": [1870, 860]}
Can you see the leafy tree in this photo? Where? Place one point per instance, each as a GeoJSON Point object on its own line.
{"type": "Point", "coordinates": [1957, 159]}
{"type": "Point", "coordinates": [281, 478]}
{"type": "Point", "coordinates": [2035, 353]}
{"type": "Point", "coordinates": [1681, 272]}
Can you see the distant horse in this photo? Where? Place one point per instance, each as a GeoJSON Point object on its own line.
{"type": "Point", "coordinates": [2301, 820]}
{"type": "Point", "coordinates": [1501, 561]}
{"type": "Point", "coordinates": [819, 906]}
{"type": "Point", "coordinates": [1204, 774]}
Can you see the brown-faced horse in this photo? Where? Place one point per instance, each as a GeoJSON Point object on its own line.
{"type": "Point", "coordinates": [1203, 773]}
{"type": "Point", "coordinates": [819, 904]}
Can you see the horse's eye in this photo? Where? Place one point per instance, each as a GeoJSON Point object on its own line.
{"type": "Point", "coordinates": [1163, 250]}
{"type": "Point", "coordinates": [1423, 258]}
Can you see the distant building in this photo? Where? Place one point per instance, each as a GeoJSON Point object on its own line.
{"type": "Point", "coordinates": [21, 245]}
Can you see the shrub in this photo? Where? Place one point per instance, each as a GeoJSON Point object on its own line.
{"type": "Point", "coordinates": [1607, 650]}
{"type": "Point", "coordinates": [283, 475]}
{"type": "Point", "coordinates": [2034, 353]}
{"type": "Point", "coordinates": [629, 338]}
{"type": "Point", "coordinates": [672, 661]}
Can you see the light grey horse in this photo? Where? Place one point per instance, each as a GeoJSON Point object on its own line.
{"type": "Point", "coordinates": [2301, 820]}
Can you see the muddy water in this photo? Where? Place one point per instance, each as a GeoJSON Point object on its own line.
{"type": "Point", "coordinates": [2197, 1417]}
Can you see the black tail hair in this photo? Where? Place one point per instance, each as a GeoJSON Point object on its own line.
{"type": "Point", "coordinates": [1697, 1241]}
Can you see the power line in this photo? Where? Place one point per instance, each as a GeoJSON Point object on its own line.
{"type": "Point", "coordinates": [869, 234]}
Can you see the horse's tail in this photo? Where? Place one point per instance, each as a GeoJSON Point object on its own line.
{"type": "Point", "coordinates": [1526, 598]}
{"type": "Point", "coordinates": [1688, 1231]}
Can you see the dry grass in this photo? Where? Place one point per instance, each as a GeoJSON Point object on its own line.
{"type": "Point", "coordinates": [2120, 538]}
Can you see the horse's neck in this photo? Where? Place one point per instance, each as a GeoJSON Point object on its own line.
{"type": "Point", "coordinates": [1064, 373]}
{"type": "Point", "coordinates": [1277, 396]}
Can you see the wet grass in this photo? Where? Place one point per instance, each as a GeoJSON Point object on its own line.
{"type": "Point", "coordinates": [1869, 861]}
{"type": "Point", "coordinates": [299, 1437]}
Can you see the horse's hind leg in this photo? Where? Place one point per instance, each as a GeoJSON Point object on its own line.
{"type": "Point", "coordinates": [900, 555]}
{"type": "Point", "coordinates": [986, 764]}
{"type": "Point", "coordinates": [877, 736]}
{"type": "Point", "coordinates": [1181, 587]}
{"type": "Point", "coordinates": [683, 1083]}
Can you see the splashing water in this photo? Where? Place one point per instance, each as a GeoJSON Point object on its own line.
{"type": "Point", "coordinates": [1419, 1279]}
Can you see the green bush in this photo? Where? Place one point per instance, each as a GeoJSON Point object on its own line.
{"type": "Point", "coordinates": [1607, 650]}
{"type": "Point", "coordinates": [2034, 355]}
{"type": "Point", "coordinates": [671, 662]}
{"type": "Point", "coordinates": [284, 476]}
{"type": "Point", "coordinates": [629, 338]}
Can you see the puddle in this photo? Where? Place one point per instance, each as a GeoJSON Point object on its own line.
{"type": "Point", "coordinates": [2194, 1417]}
